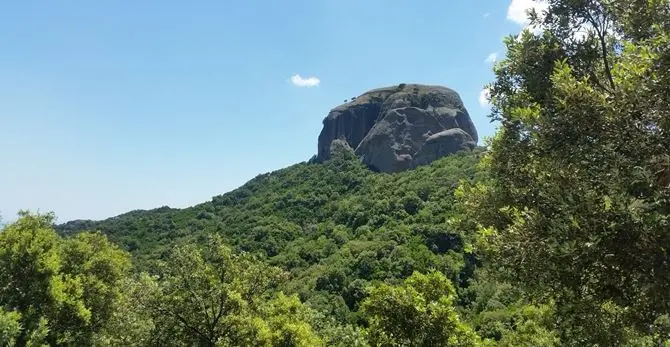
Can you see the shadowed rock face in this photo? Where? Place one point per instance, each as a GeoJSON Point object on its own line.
{"type": "Point", "coordinates": [398, 128]}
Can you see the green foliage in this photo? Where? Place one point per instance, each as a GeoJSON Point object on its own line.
{"type": "Point", "coordinates": [334, 227]}
{"type": "Point", "coordinates": [343, 239]}
{"type": "Point", "coordinates": [529, 328]}
{"type": "Point", "coordinates": [288, 323]}
{"type": "Point", "coordinates": [10, 327]}
{"type": "Point", "coordinates": [59, 291]}
{"type": "Point", "coordinates": [518, 325]}
{"type": "Point", "coordinates": [131, 324]}
{"type": "Point", "coordinates": [205, 295]}
{"type": "Point", "coordinates": [576, 207]}
{"type": "Point", "coordinates": [29, 268]}
{"type": "Point", "coordinates": [500, 313]}
{"type": "Point", "coordinates": [420, 312]}
{"type": "Point", "coordinates": [209, 296]}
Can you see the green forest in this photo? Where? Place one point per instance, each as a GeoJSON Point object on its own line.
{"type": "Point", "coordinates": [554, 233]}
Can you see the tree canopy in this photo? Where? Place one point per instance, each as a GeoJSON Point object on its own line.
{"type": "Point", "coordinates": [578, 170]}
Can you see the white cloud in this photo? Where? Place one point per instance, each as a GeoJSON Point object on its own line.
{"type": "Point", "coordinates": [485, 97]}
{"type": "Point", "coordinates": [308, 82]}
{"type": "Point", "coordinates": [517, 10]}
{"type": "Point", "coordinates": [492, 58]}
{"type": "Point", "coordinates": [487, 14]}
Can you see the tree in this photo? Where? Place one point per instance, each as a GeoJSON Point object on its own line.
{"type": "Point", "coordinates": [10, 328]}
{"type": "Point", "coordinates": [29, 268]}
{"type": "Point", "coordinates": [60, 291]}
{"type": "Point", "coordinates": [131, 324]}
{"type": "Point", "coordinates": [287, 322]}
{"type": "Point", "coordinates": [499, 313]}
{"type": "Point", "coordinates": [420, 312]}
{"type": "Point", "coordinates": [99, 267]}
{"type": "Point", "coordinates": [211, 296]}
{"type": "Point", "coordinates": [577, 206]}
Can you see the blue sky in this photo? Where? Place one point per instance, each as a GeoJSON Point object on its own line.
{"type": "Point", "coordinates": [108, 106]}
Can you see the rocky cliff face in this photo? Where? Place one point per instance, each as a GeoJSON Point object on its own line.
{"type": "Point", "coordinates": [398, 128]}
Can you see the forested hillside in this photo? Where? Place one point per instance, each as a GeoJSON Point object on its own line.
{"type": "Point", "coordinates": [335, 227]}
{"type": "Point", "coordinates": [337, 236]}
{"type": "Point", "coordinates": [556, 233]}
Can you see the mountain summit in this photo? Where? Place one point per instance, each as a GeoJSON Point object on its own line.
{"type": "Point", "coordinates": [398, 128]}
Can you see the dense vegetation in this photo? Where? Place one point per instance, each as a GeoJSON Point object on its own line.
{"type": "Point", "coordinates": [314, 254]}
{"type": "Point", "coordinates": [556, 234]}
{"type": "Point", "coordinates": [334, 227]}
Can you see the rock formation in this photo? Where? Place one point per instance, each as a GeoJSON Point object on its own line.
{"type": "Point", "coordinates": [398, 128]}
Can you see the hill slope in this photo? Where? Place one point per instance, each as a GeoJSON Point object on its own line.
{"type": "Point", "coordinates": [334, 226]}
